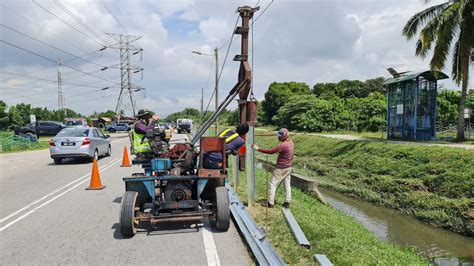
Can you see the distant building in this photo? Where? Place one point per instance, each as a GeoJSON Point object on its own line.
{"type": "Point", "coordinates": [411, 105]}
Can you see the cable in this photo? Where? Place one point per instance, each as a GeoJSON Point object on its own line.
{"type": "Point", "coordinates": [104, 5]}
{"type": "Point", "coordinates": [43, 29]}
{"type": "Point", "coordinates": [223, 64]}
{"type": "Point", "coordinates": [49, 45]}
{"type": "Point", "coordinates": [46, 80]}
{"type": "Point", "coordinates": [65, 22]}
{"type": "Point", "coordinates": [265, 9]}
{"type": "Point", "coordinates": [77, 19]}
{"type": "Point", "coordinates": [49, 59]}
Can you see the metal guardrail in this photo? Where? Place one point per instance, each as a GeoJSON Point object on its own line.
{"type": "Point", "coordinates": [296, 229]}
{"type": "Point", "coordinates": [255, 236]}
{"type": "Point", "coordinates": [322, 260]}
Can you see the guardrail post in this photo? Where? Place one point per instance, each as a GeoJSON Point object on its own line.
{"type": "Point", "coordinates": [235, 170]}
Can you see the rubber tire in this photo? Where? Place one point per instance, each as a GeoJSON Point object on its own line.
{"type": "Point", "coordinates": [58, 160]}
{"type": "Point", "coordinates": [31, 136]}
{"type": "Point", "coordinates": [127, 213]}
{"type": "Point", "coordinates": [223, 209]}
{"type": "Point", "coordinates": [112, 130]}
{"type": "Point", "coordinates": [95, 156]}
{"type": "Point", "coordinates": [109, 152]}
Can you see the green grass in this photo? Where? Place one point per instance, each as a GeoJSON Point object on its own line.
{"type": "Point", "coordinates": [329, 231]}
{"type": "Point", "coordinates": [7, 146]}
{"type": "Point", "coordinates": [433, 184]}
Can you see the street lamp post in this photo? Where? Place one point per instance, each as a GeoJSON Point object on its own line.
{"type": "Point", "coordinates": [216, 86]}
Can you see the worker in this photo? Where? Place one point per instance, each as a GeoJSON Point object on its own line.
{"type": "Point", "coordinates": [145, 122]}
{"type": "Point", "coordinates": [282, 171]}
{"type": "Point", "coordinates": [233, 140]}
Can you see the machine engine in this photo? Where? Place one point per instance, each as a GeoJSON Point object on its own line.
{"type": "Point", "coordinates": [178, 191]}
{"type": "Point", "coordinates": [159, 141]}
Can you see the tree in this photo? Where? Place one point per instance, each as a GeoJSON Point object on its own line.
{"type": "Point", "coordinates": [444, 23]}
{"type": "Point", "coordinates": [447, 107]}
{"type": "Point", "coordinates": [3, 116]}
{"type": "Point", "coordinates": [278, 94]}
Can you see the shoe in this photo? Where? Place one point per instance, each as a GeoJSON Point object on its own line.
{"type": "Point", "coordinates": [286, 205]}
{"type": "Point", "coordinates": [267, 205]}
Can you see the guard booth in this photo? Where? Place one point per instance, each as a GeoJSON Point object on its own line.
{"type": "Point", "coordinates": [411, 105]}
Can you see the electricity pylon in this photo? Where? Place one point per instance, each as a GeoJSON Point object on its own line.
{"type": "Point", "coordinates": [126, 100]}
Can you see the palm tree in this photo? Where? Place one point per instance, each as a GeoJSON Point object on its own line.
{"type": "Point", "coordinates": [444, 23]}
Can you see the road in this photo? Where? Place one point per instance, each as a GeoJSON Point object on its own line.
{"type": "Point", "coordinates": [47, 217]}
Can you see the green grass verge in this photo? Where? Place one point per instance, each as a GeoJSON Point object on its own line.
{"type": "Point", "coordinates": [8, 146]}
{"type": "Point", "coordinates": [433, 184]}
{"type": "Point", "coordinates": [330, 232]}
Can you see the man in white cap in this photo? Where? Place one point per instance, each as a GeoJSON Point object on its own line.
{"type": "Point", "coordinates": [282, 171]}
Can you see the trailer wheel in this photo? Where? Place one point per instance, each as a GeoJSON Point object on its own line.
{"type": "Point", "coordinates": [130, 206]}
{"type": "Point", "coordinates": [223, 209]}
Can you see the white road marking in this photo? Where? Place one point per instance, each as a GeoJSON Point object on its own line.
{"type": "Point", "coordinates": [56, 191]}
{"type": "Point", "coordinates": [209, 245]}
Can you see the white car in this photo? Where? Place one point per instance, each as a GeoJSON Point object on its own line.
{"type": "Point", "coordinates": [79, 142]}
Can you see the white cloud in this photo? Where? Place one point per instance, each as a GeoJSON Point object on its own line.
{"type": "Point", "coordinates": [309, 41]}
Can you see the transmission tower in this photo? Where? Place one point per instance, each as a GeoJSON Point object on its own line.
{"type": "Point", "coordinates": [61, 101]}
{"type": "Point", "coordinates": [124, 43]}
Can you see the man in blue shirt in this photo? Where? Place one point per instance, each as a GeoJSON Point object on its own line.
{"type": "Point", "coordinates": [233, 139]}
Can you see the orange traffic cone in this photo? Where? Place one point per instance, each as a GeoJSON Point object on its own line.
{"type": "Point", "coordinates": [125, 160]}
{"type": "Point", "coordinates": [95, 178]}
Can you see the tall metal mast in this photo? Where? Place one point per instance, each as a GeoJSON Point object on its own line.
{"type": "Point", "coordinates": [61, 100]}
{"type": "Point", "coordinates": [126, 100]}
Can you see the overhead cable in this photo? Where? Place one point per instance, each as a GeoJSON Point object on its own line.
{"type": "Point", "coordinates": [51, 60]}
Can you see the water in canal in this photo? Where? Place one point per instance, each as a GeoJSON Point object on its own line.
{"type": "Point", "coordinates": [393, 226]}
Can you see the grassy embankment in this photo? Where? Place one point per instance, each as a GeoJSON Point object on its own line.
{"type": "Point", "coordinates": [433, 184]}
{"type": "Point", "coordinates": [330, 232]}
{"type": "Point", "coordinates": [8, 144]}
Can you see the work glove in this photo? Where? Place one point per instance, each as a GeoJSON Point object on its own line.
{"type": "Point", "coordinates": [255, 147]}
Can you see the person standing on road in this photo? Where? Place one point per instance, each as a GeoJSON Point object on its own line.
{"type": "Point", "coordinates": [145, 122]}
{"type": "Point", "coordinates": [282, 171]}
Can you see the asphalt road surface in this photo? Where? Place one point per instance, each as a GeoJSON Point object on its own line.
{"type": "Point", "coordinates": [47, 217]}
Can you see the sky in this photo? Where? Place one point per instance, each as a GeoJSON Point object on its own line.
{"type": "Point", "coordinates": [304, 41]}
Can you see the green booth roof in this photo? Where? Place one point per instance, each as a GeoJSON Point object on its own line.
{"type": "Point", "coordinates": [429, 74]}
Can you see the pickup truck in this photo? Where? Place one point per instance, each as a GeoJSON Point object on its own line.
{"type": "Point", "coordinates": [43, 128]}
{"type": "Point", "coordinates": [114, 127]}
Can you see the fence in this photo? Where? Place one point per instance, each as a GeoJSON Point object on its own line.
{"type": "Point", "coordinates": [12, 142]}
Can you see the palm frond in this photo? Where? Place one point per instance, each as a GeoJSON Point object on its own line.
{"type": "Point", "coordinates": [427, 37]}
{"type": "Point", "coordinates": [411, 27]}
{"type": "Point", "coordinates": [448, 25]}
{"type": "Point", "coordinates": [456, 67]}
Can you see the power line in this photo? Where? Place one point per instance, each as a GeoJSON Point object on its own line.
{"type": "Point", "coordinates": [53, 76]}
{"type": "Point", "coordinates": [51, 60]}
{"type": "Point", "coordinates": [65, 22]}
{"type": "Point", "coordinates": [106, 8]}
{"type": "Point", "coordinates": [46, 80]}
{"type": "Point", "coordinates": [263, 12]}
{"type": "Point", "coordinates": [44, 29]}
{"type": "Point", "coordinates": [253, 21]}
{"type": "Point", "coordinates": [225, 59]}
{"type": "Point", "coordinates": [77, 19]}
{"type": "Point", "coordinates": [74, 95]}
{"type": "Point", "coordinates": [49, 45]}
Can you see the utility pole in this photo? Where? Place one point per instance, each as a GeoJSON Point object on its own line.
{"type": "Point", "coordinates": [61, 101]}
{"type": "Point", "coordinates": [202, 103]}
{"type": "Point", "coordinates": [216, 84]}
{"type": "Point", "coordinates": [247, 109]}
{"type": "Point", "coordinates": [126, 100]}
{"type": "Point", "coordinates": [216, 54]}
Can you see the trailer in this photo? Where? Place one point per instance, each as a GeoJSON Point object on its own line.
{"type": "Point", "coordinates": [174, 187]}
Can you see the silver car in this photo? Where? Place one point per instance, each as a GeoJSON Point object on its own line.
{"type": "Point", "coordinates": [79, 142]}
